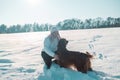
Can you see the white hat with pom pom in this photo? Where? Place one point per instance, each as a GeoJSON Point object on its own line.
{"type": "Point", "coordinates": [53, 29]}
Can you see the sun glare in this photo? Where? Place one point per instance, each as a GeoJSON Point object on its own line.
{"type": "Point", "coordinates": [34, 2]}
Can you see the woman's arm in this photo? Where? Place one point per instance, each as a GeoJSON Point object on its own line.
{"type": "Point", "coordinates": [47, 47]}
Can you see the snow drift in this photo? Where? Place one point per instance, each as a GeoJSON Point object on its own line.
{"type": "Point", "coordinates": [20, 55]}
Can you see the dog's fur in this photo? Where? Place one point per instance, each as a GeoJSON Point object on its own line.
{"type": "Point", "coordinates": [80, 60]}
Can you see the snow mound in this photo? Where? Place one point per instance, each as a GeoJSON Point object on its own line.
{"type": "Point", "coordinates": [57, 73]}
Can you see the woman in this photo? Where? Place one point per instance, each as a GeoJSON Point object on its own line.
{"type": "Point", "coordinates": [50, 46]}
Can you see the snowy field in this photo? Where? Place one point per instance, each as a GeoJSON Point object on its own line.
{"type": "Point", "coordinates": [20, 55]}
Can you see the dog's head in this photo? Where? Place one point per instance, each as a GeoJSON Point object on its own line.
{"type": "Point", "coordinates": [62, 43]}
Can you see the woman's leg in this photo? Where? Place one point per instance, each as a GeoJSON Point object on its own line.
{"type": "Point", "coordinates": [47, 59]}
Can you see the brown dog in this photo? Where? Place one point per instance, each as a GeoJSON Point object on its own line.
{"type": "Point", "coordinates": [67, 58]}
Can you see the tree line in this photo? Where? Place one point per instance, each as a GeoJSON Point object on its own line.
{"type": "Point", "coordinates": [68, 24]}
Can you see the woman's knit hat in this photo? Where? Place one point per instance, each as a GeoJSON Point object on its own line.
{"type": "Point", "coordinates": [53, 29]}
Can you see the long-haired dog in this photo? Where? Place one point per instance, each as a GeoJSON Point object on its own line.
{"type": "Point", "coordinates": [80, 60]}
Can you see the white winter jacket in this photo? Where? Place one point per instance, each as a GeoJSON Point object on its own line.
{"type": "Point", "coordinates": [50, 46]}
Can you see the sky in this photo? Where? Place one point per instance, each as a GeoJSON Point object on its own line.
{"type": "Point", "coordinates": [54, 11]}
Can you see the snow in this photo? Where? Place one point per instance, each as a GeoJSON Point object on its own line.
{"type": "Point", "coordinates": [20, 55]}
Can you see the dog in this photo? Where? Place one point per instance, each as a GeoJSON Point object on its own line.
{"type": "Point", "coordinates": [80, 60]}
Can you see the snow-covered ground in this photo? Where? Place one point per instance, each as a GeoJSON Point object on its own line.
{"type": "Point", "coordinates": [20, 55]}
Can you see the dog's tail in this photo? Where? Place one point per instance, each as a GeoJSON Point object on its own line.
{"type": "Point", "coordinates": [89, 55]}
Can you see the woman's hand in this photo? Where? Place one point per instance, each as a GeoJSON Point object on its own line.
{"type": "Point", "coordinates": [56, 57]}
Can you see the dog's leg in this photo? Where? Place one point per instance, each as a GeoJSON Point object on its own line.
{"type": "Point", "coordinates": [80, 68]}
{"type": "Point", "coordinates": [86, 65]}
{"type": "Point", "coordinates": [85, 68]}
{"type": "Point", "coordinates": [90, 69]}
{"type": "Point", "coordinates": [89, 66]}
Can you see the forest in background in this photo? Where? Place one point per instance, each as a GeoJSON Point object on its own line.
{"type": "Point", "coordinates": [68, 24]}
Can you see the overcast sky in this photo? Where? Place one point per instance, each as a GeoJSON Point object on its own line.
{"type": "Point", "coordinates": [53, 11]}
